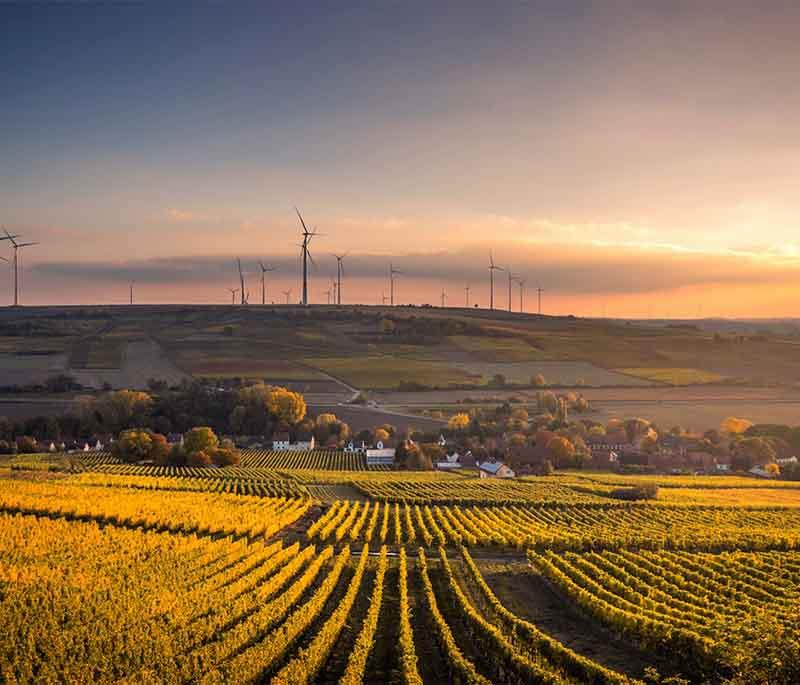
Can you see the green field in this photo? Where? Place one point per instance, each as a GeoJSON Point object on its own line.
{"type": "Point", "coordinates": [377, 373]}
{"type": "Point", "coordinates": [672, 376]}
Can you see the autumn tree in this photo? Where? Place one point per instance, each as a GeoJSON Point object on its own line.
{"type": "Point", "coordinates": [538, 381]}
{"type": "Point", "coordinates": [734, 426]}
{"type": "Point", "coordinates": [200, 439]}
{"type": "Point", "coordinates": [286, 406]}
{"type": "Point", "coordinates": [458, 422]}
{"type": "Point", "coordinates": [563, 451]}
{"type": "Point", "coordinates": [139, 444]}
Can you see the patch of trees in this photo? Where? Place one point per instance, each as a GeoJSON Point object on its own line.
{"type": "Point", "coordinates": [200, 447]}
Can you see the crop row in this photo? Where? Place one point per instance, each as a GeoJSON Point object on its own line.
{"type": "Point", "coordinates": [559, 527]}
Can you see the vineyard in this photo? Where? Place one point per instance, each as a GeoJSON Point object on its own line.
{"type": "Point", "coordinates": [305, 460]}
{"type": "Point", "coordinates": [246, 574]}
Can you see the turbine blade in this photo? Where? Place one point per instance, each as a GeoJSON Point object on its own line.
{"type": "Point", "coordinates": [305, 230]}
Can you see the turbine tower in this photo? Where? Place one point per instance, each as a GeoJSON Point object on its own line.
{"type": "Point", "coordinates": [264, 270]}
{"type": "Point", "coordinates": [233, 292]}
{"type": "Point", "coordinates": [288, 294]}
{"type": "Point", "coordinates": [339, 273]}
{"type": "Point", "coordinates": [466, 291]}
{"type": "Point", "coordinates": [521, 282]}
{"type": "Point", "coordinates": [443, 297]}
{"type": "Point", "coordinates": [15, 262]}
{"type": "Point", "coordinates": [392, 273]}
{"type": "Point", "coordinates": [241, 281]}
{"type": "Point", "coordinates": [307, 236]}
{"type": "Point", "coordinates": [492, 268]}
{"type": "Point", "coordinates": [131, 292]}
{"type": "Point", "coordinates": [511, 278]}
{"type": "Point", "coordinates": [539, 292]}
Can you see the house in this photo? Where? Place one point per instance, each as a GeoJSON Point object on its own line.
{"type": "Point", "coordinates": [281, 442]}
{"type": "Point", "coordinates": [380, 454]}
{"type": "Point", "coordinates": [495, 469]}
{"type": "Point", "coordinates": [455, 461]}
{"type": "Point", "coordinates": [606, 449]}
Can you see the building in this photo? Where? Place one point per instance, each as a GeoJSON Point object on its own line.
{"type": "Point", "coordinates": [455, 460]}
{"type": "Point", "coordinates": [380, 454]}
{"type": "Point", "coordinates": [281, 442]}
{"type": "Point", "coordinates": [495, 469]}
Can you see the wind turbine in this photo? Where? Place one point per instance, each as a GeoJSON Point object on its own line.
{"type": "Point", "coordinates": [307, 236]}
{"type": "Point", "coordinates": [233, 292]}
{"type": "Point", "coordinates": [131, 292]}
{"type": "Point", "coordinates": [443, 297]}
{"type": "Point", "coordinates": [492, 268]}
{"type": "Point", "coordinates": [15, 262]}
{"type": "Point", "coordinates": [339, 273]}
{"type": "Point", "coordinates": [264, 270]}
{"type": "Point", "coordinates": [539, 292]}
{"type": "Point", "coordinates": [288, 294]}
{"type": "Point", "coordinates": [392, 273]}
{"type": "Point", "coordinates": [521, 282]}
{"type": "Point", "coordinates": [328, 293]}
{"type": "Point", "coordinates": [511, 278]}
{"type": "Point", "coordinates": [244, 293]}
{"type": "Point", "coordinates": [466, 291]}
{"type": "Point", "coordinates": [383, 299]}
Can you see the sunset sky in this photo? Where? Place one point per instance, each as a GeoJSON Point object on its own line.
{"type": "Point", "coordinates": [633, 159]}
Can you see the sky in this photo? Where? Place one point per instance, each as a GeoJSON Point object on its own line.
{"type": "Point", "coordinates": [631, 159]}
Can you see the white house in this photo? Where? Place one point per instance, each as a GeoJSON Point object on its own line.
{"type": "Point", "coordinates": [282, 443]}
{"type": "Point", "coordinates": [495, 469]}
{"type": "Point", "coordinates": [380, 455]}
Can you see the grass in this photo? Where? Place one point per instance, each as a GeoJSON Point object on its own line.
{"type": "Point", "coordinates": [498, 349]}
{"type": "Point", "coordinates": [384, 372]}
{"type": "Point", "coordinates": [674, 376]}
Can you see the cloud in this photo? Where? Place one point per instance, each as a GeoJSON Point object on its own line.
{"type": "Point", "coordinates": [182, 216]}
{"type": "Point", "coordinates": [567, 269]}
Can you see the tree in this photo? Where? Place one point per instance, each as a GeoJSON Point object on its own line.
{"type": "Point", "coordinates": [286, 406]}
{"type": "Point", "coordinates": [563, 451]}
{"type": "Point", "coordinates": [538, 381]}
{"type": "Point", "coordinates": [139, 444]}
{"type": "Point", "coordinates": [734, 426]}
{"type": "Point", "coordinates": [26, 445]}
{"type": "Point", "coordinates": [751, 451]}
{"type": "Point", "coordinates": [200, 439]}
{"type": "Point", "coordinates": [381, 435]}
{"type": "Point", "coordinates": [458, 422]}
{"type": "Point", "coordinates": [123, 409]}
{"type": "Point", "coordinates": [133, 445]}
{"type": "Point", "coordinates": [547, 401]}
{"type": "Point", "coordinates": [326, 419]}
{"type": "Point", "coordinates": [636, 429]}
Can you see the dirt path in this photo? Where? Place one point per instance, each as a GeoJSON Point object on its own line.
{"type": "Point", "coordinates": [141, 360]}
{"type": "Point", "coordinates": [529, 596]}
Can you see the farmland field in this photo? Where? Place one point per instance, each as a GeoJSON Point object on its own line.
{"type": "Point", "coordinates": [675, 376]}
{"type": "Point", "coordinates": [286, 574]}
{"type": "Point", "coordinates": [389, 372]}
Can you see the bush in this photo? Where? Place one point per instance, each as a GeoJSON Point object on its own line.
{"type": "Point", "coordinates": [639, 492]}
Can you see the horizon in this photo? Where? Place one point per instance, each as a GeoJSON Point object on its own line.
{"type": "Point", "coordinates": [633, 162]}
